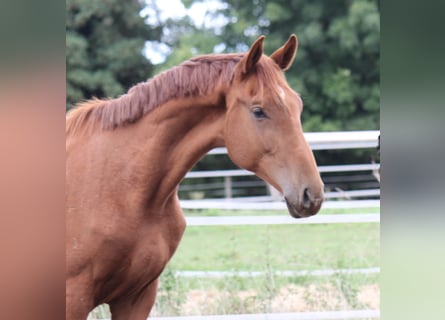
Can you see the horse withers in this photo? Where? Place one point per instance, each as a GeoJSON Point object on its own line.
{"type": "Point", "coordinates": [126, 157]}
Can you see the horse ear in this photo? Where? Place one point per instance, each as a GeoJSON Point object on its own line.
{"type": "Point", "coordinates": [253, 56]}
{"type": "Point", "coordinates": [285, 55]}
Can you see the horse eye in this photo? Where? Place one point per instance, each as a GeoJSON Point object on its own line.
{"type": "Point", "coordinates": [259, 113]}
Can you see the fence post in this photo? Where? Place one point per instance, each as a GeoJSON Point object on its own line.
{"type": "Point", "coordinates": [228, 187]}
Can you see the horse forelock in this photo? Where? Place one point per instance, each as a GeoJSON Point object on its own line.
{"type": "Point", "coordinates": [194, 77]}
{"type": "Point", "coordinates": [270, 78]}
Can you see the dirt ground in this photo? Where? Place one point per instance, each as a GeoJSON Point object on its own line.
{"type": "Point", "coordinates": [291, 298]}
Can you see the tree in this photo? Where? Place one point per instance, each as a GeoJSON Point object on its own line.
{"type": "Point", "coordinates": [104, 43]}
{"type": "Point", "coordinates": [337, 65]}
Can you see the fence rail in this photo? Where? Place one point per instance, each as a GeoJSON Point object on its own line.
{"type": "Point", "coordinates": [279, 273]}
{"type": "Point", "coordinates": [242, 204]}
{"type": "Point", "coordinates": [334, 140]}
{"type": "Point", "coordinates": [241, 172]}
{"type": "Point", "coordinates": [275, 220]}
{"type": "Point", "coordinates": [322, 315]}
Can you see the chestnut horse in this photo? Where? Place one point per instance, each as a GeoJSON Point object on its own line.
{"type": "Point", "coordinates": [126, 157]}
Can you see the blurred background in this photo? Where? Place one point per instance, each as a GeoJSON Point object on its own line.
{"type": "Point", "coordinates": [112, 45]}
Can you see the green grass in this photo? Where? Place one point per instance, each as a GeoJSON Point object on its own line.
{"type": "Point", "coordinates": [281, 247]}
{"type": "Point", "coordinates": [267, 249]}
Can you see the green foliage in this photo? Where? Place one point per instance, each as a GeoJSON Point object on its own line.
{"type": "Point", "coordinates": [336, 70]}
{"type": "Point", "coordinates": [337, 66]}
{"type": "Point", "coordinates": [104, 42]}
{"type": "Point", "coordinates": [188, 44]}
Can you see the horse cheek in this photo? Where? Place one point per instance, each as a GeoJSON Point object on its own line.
{"type": "Point", "coordinates": [241, 147]}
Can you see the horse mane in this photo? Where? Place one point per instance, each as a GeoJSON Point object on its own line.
{"type": "Point", "coordinates": [197, 76]}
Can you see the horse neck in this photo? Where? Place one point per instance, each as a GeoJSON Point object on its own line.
{"type": "Point", "coordinates": [175, 136]}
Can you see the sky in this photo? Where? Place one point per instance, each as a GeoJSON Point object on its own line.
{"type": "Point", "coordinates": [155, 51]}
{"type": "Point", "coordinates": [175, 9]}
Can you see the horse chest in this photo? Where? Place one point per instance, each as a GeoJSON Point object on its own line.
{"type": "Point", "coordinates": [144, 256]}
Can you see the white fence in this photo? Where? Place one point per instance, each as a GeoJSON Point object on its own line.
{"type": "Point", "coordinates": [334, 140]}
{"type": "Point", "coordinates": [273, 220]}
{"type": "Point", "coordinates": [278, 273]}
{"type": "Point", "coordinates": [323, 315]}
{"type": "Point", "coordinates": [317, 141]}
{"type": "Point", "coordinates": [254, 204]}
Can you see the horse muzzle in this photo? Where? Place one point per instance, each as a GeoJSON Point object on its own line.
{"type": "Point", "coordinates": [306, 205]}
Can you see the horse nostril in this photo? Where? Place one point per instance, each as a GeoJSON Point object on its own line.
{"type": "Point", "coordinates": [306, 198]}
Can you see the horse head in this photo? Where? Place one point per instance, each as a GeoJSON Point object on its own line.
{"type": "Point", "coordinates": [263, 131]}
